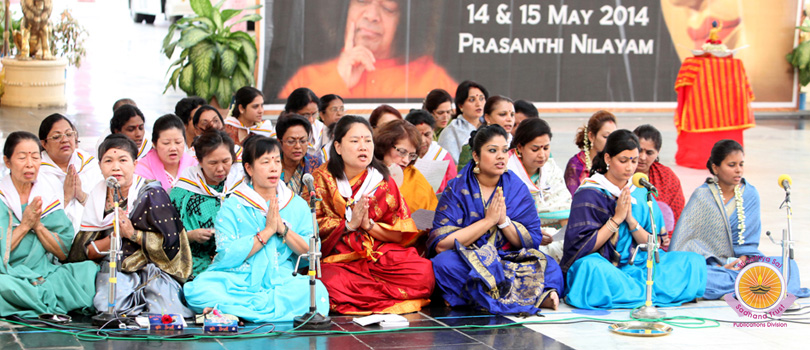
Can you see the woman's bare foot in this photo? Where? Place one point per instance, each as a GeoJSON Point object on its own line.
{"type": "Point", "coordinates": [551, 302]}
{"type": "Point", "coordinates": [207, 310]}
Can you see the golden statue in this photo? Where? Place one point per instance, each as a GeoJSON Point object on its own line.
{"type": "Point", "coordinates": [33, 39]}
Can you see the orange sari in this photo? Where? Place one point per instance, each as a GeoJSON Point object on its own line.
{"type": "Point", "coordinates": [364, 275]}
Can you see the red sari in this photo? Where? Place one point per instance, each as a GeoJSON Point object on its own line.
{"type": "Point", "coordinates": [363, 275]}
{"type": "Point", "coordinates": [669, 188]}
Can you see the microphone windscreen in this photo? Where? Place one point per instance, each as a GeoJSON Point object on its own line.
{"type": "Point", "coordinates": [637, 179]}
{"type": "Point", "coordinates": [782, 179]}
{"type": "Point", "coordinates": [309, 181]}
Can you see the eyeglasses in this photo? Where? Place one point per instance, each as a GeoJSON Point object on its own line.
{"type": "Point", "coordinates": [293, 142]}
{"type": "Point", "coordinates": [313, 115]}
{"type": "Point", "coordinates": [214, 123]}
{"type": "Point", "coordinates": [337, 109]}
{"type": "Point", "coordinates": [404, 153]}
{"type": "Point", "coordinates": [58, 137]}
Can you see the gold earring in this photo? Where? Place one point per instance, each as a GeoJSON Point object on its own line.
{"type": "Point", "coordinates": [476, 169]}
{"type": "Point", "coordinates": [518, 154]}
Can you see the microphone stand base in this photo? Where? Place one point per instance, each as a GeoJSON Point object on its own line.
{"type": "Point", "coordinates": [648, 313]}
{"type": "Point", "coordinates": [310, 321]}
{"type": "Point", "coordinates": [105, 320]}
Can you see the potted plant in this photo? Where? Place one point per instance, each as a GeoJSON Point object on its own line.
{"type": "Point", "coordinates": [800, 56]}
{"type": "Point", "coordinates": [214, 61]}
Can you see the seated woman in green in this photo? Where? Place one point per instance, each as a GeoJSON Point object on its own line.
{"type": "Point", "coordinates": [200, 191]}
{"type": "Point", "coordinates": [33, 223]}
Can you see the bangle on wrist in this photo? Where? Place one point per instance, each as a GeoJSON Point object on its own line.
{"type": "Point", "coordinates": [284, 233]}
{"type": "Point", "coordinates": [638, 226]}
{"type": "Point", "coordinates": [259, 237]}
{"type": "Point", "coordinates": [505, 224]}
{"type": "Point", "coordinates": [349, 228]}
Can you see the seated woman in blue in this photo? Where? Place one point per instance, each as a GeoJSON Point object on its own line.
{"type": "Point", "coordinates": [260, 231]}
{"type": "Point", "coordinates": [34, 227]}
{"type": "Point", "coordinates": [609, 217]}
{"type": "Point", "coordinates": [722, 223]}
{"type": "Point", "coordinates": [485, 251]}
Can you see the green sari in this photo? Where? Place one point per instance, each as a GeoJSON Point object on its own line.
{"type": "Point", "coordinates": [30, 284]}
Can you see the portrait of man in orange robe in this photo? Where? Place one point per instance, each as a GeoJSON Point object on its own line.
{"type": "Point", "coordinates": [373, 63]}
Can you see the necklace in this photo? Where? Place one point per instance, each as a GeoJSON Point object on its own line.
{"type": "Point", "coordinates": [740, 211]}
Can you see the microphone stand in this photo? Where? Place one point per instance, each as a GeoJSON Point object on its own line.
{"type": "Point", "coordinates": [787, 244]}
{"type": "Point", "coordinates": [312, 319]}
{"type": "Point", "coordinates": [105, 318]}
{"type": "Point", "coordinates": [648, 310]}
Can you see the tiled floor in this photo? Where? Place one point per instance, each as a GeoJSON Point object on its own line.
{"type": "Point", "coordinates": [124, 61]}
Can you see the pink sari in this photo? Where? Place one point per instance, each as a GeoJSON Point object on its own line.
{"type": "Point", "coordinates": [150, 167]}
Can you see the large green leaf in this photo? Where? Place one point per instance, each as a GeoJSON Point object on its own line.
{"type": "Point", "coordinates": [202, 7]}
{"type": "Point", "coordinates": [192, 37]}
{"type": "Point", "coordinates": [229, 13]}
{"type": "Point", "coordinates": [213, 85]}
{"type": "Point", "coordinates": [224, 90]}
{"type": "Point", "coordinates": [249, 50]}
{"type": "Point", "coordinates": [804, 54]}
{"type": "Point", "coordinates": [227, 62]}
{"type": "Point", "coordinates": [238, 80]}
{"type": "Point", "coordinates": [173, 79]}
{"type": "Point", "coordinates": [217, 17]}
{"type": "Point", "coordinates": [168, 39]}
{"type": "Point", "coordinates": [201, 88]}
{"type": "Point", "coordinates": [251, 17]}
{"type": "Point", "coordinates": [804, 76]}
{"type": "Point", "coordinates": [243, 68]}
{"type": "Point", "coordinates": [202, 58]}
{"type": "Point", "coordinates": [186, 81]}
{"type": "Point", "coordinates": [170, 49]}
{"type": "Point", "coordinates": [205, 21]}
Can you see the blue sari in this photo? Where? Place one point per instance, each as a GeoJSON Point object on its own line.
{"type": "Point", "coordinates": [259, 288]}
{"type": "Point", "coordinates": [705, 228]}
{"type": "Point", "coordinates": [604, 278]}
{"type": "Point", "coordinates": [491, 273]}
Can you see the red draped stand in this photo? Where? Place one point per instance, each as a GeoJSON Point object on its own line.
{"type": "Point", "coordinates": [714, 103]}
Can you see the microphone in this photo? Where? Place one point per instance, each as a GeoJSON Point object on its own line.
{"type": "Point", "coordinates": [785, 181]}
{"type": "Point", "coordinates": [641, 180]}
{"type": "Point", "coordinates": [309, 181]}
{"type": "Point", "coordinates": [112, 182]}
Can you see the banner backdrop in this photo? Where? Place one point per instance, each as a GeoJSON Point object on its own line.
{"type": "Point", "coordinates": [564, 52]}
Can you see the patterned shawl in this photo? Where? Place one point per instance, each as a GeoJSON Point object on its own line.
{"type": "Point", "coordinates": [669, 187]}
{"type": "Point", "coordinates": [705, 228]}
{"type": "Point", "coordinates": [296, 181]}
{"type": "Point", "coordinates": [575, 172]}
{"type": "Point", "coordinates": [158, 229]}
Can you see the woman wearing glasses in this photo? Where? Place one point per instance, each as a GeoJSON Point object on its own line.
{"type": "Point", "coordinates": [304, 102]}
{"type": "Point", "coordinates": [207, 117]}
{"type": "Point", "coordinates": [396, 143]}
{"type": "Point", "coordinates": [293, 132]}
{"type": "Point", "coordinates": [331, 109]}
{"type": "Point", "coordinates": [72, 171]}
